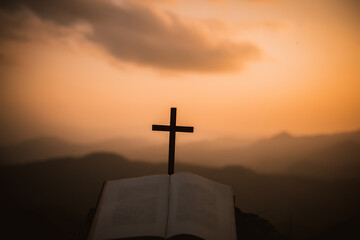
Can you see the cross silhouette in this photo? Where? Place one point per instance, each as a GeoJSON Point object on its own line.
{"type": "Point", "coordinates": [172, 129]}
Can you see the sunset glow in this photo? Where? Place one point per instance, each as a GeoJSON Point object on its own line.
{"type": "Point", "coordinates": [234, 69]}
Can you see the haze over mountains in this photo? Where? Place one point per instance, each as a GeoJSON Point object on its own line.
{"type": "Point", "coordinates": [318, 156]}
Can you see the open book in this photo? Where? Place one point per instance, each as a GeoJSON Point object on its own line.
{"type": "Point", "coordinates": [180, 206]}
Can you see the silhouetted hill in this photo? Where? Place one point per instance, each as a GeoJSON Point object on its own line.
{"type": "Point", "coordinates": [37, 150]}
{"type": "Point", "coordinates": [283, 152]}
{"type": "Point", "coordinates": [42, 148]}
{"type": "Point", "coordinates": [341, 161]}
{"type": "Point", "coordinates": [64, 190]}
{"type": "Point", "coordinates": [283, 136]}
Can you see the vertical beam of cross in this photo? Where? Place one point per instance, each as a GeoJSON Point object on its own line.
{"type": "Point", "coordinates": [172, 129]}
{"type": "Point", "coordinates": [171, 163]}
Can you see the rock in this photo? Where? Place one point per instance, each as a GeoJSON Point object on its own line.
{"type": "Point", "coordinates": [252, 227]}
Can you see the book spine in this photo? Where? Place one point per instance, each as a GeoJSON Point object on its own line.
{"type": "Point", "coordinates": [92, 224]}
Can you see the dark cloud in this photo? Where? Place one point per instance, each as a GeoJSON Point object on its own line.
{"type": "Point", "coordinates": [354, 7]}
{"type": "Point", "coordinates": [143, 34]}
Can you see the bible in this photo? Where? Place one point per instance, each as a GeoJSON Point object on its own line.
{"type": "Point", "coordinates": [179, 206]}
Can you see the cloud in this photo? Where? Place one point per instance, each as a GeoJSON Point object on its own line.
{"type": "Point", "coordinates": [143, 34]}
{"type": "Point", "coordinates": [354, 9]}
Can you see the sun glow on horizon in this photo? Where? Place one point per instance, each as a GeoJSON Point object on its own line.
{"type": "Point", "coordinates": [291, 67]}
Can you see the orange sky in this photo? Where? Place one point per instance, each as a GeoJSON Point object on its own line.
{"type": "Point", "coordinates": [91, 70]}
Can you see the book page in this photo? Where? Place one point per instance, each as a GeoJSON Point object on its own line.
{"type": "Point", "coordinates": [200, 207]}
{"type": "Point", "coordinates": [133, 207]}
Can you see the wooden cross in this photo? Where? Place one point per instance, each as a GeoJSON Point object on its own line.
{"type": "Point", "coordinates": [172, 129]}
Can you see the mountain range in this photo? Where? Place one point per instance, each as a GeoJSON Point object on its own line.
{"type": "Point", "coordinates": [321, 156]}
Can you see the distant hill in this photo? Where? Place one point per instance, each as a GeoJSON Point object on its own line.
{"type": "Point", "coordinates": [340, 161]}
{"type": "Point", "coordinates": [316, 156]}
{"type": "Point", "coordinates": [37, 150]}
{"type": "Point", "coordinates": [43, 148]}
{"type": "Point", "coordinates": [63, 191]}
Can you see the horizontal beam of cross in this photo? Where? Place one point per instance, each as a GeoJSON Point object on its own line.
{"type": "Point", "coordinates": [168, 128]}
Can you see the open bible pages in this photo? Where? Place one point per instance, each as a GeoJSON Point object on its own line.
{"type": "Point", "coordinates": [132, 208]}
{"type": "Point", "coordinates": [200, 207]}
